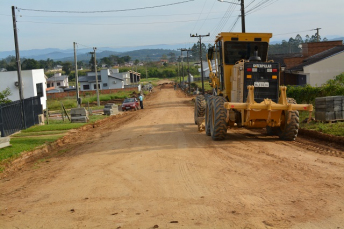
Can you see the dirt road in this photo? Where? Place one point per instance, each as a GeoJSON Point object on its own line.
{"type": "Point", "coordinates": [153, 169]}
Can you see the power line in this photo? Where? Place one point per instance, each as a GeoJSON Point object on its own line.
{"type": "Point", "coordinates": [112, 16]}
{"type": "Point", "coordinates": [257, 5]}
{"type": "Point", "coordinates": [261, 6]}
{"type": "Point", "coordinates": [199, 16]}
{"type": "Point", "coordinates": [234, 24]}
{"type": "Point", "coordinates": [207, 15]}
{"type": "Point", "coordinates": [105, 11]}
{"type": "Point", "coordinates": [96, 24]}
{"type": "Point", "coordinates": [250, 3]}
{"type": "Point", "coordinates": [203, 20]}
{"type": "Point", "coordinates": [292, 32]}
{"type": "Point", "coordinates": [222, 22]}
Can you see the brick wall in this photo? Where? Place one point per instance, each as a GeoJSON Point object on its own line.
{"type": "Point", "coordinates": [66, 94]}
{"type": "Point", "coordinates": [293, 61]}
{"type": "Point", "coordinates": [312, 48]}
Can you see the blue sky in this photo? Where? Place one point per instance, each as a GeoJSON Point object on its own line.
{"type": "Point", "coordinates": [161, 25]}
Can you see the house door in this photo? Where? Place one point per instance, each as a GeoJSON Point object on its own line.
{"type": "Point", "coordinates": [302, 79]}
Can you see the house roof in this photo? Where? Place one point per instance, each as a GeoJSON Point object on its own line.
{"type": "Point", "coordinates": [279, 58]}
{"type": "Point", "coordinates": [57, 78]}
{"type": "Point", "coordinates": [89, 78]}
{"type": "Point", "coordinates": [318, 57]}
{"type": "Point", "coordinates": [116, 77]}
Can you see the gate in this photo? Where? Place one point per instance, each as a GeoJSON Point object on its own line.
{"type": "Point", "coordinates": [11, 118]}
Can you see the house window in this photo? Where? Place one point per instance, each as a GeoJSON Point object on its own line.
{"type": "Point", "coordinates": [86, 87]}
{"type": "Point", "coordinates": [52, 84]}
{"type": "Point", "coordinates": [39, 88]}
{"type": "Point", "coordinates": [104, 84]}
{"type": "Point", "coordinates": [48, 84]}
{"type": "Point", "coordinates": [95, 86]}
{"type": "Point", "coordinates": [58, 84]}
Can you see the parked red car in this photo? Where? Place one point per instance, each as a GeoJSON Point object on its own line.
{"type": "Point", "coordinates": [131, 103]}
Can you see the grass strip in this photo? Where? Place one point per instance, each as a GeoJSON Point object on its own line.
{"type": "Point", "coordinates": [39, 133]}
{"type": "Point", "coordinates": [20, 145]}
{"type": "Point", "coordinates": [335, 128]}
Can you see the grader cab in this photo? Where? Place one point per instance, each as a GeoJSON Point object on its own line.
{"type": "Point", "coordinates": [246, 89]}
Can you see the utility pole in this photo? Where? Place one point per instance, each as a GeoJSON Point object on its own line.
{"type": "Point", "coordinates": [146, 72]}
{"type": "Point", "coordinates": [20, 84]}
{"type": "Point", "coordinates": [187, 56]}
{"type": "Point", "coordinates": [318, 37]}
{"type": "Point", "coordinates": [95, 69]}
{"type": "Point", "coordinates": [180, 79]}
{"type": "Point", "coordinates": [243, 17]}
{"type": "Point", "coordinates": [76, 77]}
{"type": "Point", "coordinates": [200, 53]}
{"type": "Point", "coordinates": [242, 5]}
{"type": "Point", "coordinates": [181, 59]}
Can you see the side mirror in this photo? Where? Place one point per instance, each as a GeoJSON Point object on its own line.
{"type": "Point", "coordinates": [210, 53]}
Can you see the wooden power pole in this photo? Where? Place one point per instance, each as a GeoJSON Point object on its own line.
{"type": "Point", "coordinates": [76, 77]}
{"type": "Point", "coordinates": [200, 53]}
{"type": "Point", "coordinates": [95, 70]}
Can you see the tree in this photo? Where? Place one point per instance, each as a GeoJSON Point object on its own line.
{"type": "Point", "coordinates": [195, 51]}
{"type": "Point", "coordinates": [80, 64]}
{"type": "Point", "coordinates": [106, 60]}
{"type": "Point", "coordinates": [314, 38]}
{"type": "Point", "coordinates": [4, 94]}
{"type": "Point", "coordinates": [3, 63]}
{"type": "Point", "coordinates": [172, 56]}
{"type": "Point", "coordinates": [67, 67]}
{"type": "Point", "coordinates": [29, 64]}
{"type": "Point", "coordinates": [91, 63]}
{"type": "Point", "coordinates": [148, 59]}
{"type": "Point", "coordinates": [126, 58]}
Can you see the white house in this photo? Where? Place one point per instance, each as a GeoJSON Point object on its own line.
{"type": "Point", "coordinates": [321, 67]}
{"type": "Point", "coordinates": [206, 70]}
{"type": "Point", "coordinates": [58, 81]}
{"type": "Point", "coordinates": [34, 84]}
{"type": "Point", "coordinates": [107, 79]}
{"type": "Point", "coordinates": [58, 68]}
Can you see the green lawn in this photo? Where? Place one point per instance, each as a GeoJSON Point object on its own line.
{"type": "Point", "coordinates": [68, 103]}
{"type": "Point", "coordinates": [335, 128]}
{"type": "Point", "coordinates": [21, 144]}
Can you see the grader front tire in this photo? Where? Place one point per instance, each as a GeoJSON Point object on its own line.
{"type": "Point", "coordinates": [218, 126]}
{"type": "Point", "coordinates": [289, 131]}
{"type": "Point", "coordinates": [207, 115]}
{"type": "Point", "coordinates": [199, 108]}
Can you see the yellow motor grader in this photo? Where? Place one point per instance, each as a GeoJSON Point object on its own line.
{"type": "Point", "coordinates": [246, 89]}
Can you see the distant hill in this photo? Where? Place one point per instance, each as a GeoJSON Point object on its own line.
{"type": "Point", "coordinates": [153, 54]}
{"type": "Point", "coordinates": [60, 54]}
{"type": "Point", "coordinates": [138, 52]}
{"type": "Point", "coordinates": [337, 39]}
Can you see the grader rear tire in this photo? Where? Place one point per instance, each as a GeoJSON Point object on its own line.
{"type": "Point", "coordinates": [207, 115]}
{"type": "Point", "coordinates": [288, 132]}
{"type": "Point", "coordinates": [218, 125]}
{"type": "Point", "coordinates": [199, 108]}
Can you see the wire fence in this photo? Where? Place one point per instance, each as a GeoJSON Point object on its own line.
{"type": "Point", "coordinates": [16, 116]}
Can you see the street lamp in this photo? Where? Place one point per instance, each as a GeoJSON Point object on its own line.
{"type": "Point", "coordinates": [242, 13]}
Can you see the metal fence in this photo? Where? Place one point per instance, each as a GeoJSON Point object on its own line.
{"type": "Point", "coordinates": [14, 118]}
